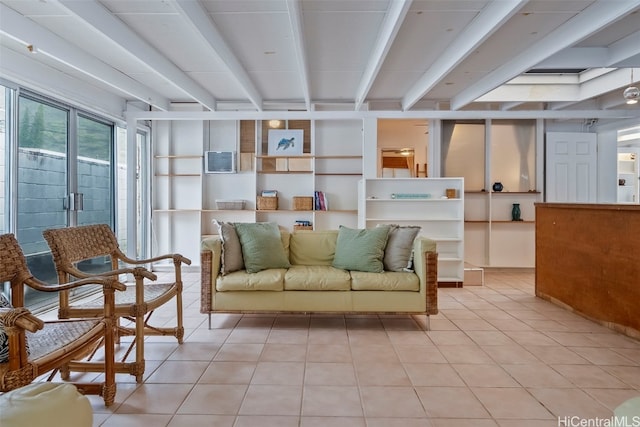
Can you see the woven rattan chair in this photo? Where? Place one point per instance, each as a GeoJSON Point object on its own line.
{"type": "Point", "coordinates": [56, 345]}
{"type": "Point", "coordinates": [71, 245]}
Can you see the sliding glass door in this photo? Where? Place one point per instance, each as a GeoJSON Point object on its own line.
{"type": "Point", "coordinates": [65, 178]}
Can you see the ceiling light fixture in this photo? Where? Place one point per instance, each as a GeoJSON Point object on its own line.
{"type": "Point", "coordinates": [274, 124]}
{"type": "Point", "coordinates": [631, 94]}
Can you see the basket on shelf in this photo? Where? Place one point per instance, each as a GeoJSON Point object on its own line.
{"type": "Point", "coordinates": [302, 227]}
{"type": "Point", "coordinates": [230, 204]}
{"type": "Point", "coordinates": [267, 203]}
{"type": "Point", "coordinates": [302, 203]}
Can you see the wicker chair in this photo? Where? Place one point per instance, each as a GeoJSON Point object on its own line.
{"type": "Point", "coordinates": [74, 244]}
{"type": "Point", "coordinates": [56, 345]}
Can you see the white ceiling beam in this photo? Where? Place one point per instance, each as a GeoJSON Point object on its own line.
{"type": "Point", "coordinates": [625, 50]}
{"type": "Point", "coordinates": [393, 19]}
{"type": "Point", "coordinates": [615, 80]}
{"type": "Point", "coordinates": [486, 23]}
{"type": "Point", "coordinates": [34, 75]}
{"type": "Point", "coordinates": [598, 15]}
{"type": "Point", "coordinates": [294, 7]}
{"type": "Point", "coordinates": [576, 57]}
{"type": "Point", "coordinates": [617, 55]}
{"type": "Point", "coordinates": [199, 20]}
{"type": "Point", "coordinates": [98, 17]}
{"type": "Point", "coordinates": [24, 30]}
{"type": "Point", "coordinates": [379, 114]}
{"type": "Point", "coordinates": [510, 105]}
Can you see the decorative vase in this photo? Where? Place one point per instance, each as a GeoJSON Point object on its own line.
{"type": "Point", "coordinates": [497, 186]}
{"type": "Point", "coordinates": [515, 212]}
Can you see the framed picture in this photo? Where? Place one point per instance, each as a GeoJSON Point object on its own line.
{"type": "Point", "coordinates": [286, 142]}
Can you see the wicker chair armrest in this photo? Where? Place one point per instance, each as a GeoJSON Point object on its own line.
{"type": "Point", "coordinates": [20, 318]}
{"type": "Point", "coordinates": [137, 272]}
{"type": "Point", "coordinates": [106, 282]}
{"type": "Point", "coordinates": [177, 259]}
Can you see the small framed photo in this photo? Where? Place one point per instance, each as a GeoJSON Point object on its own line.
{"type": "Point", "coordinates": [286, 142]}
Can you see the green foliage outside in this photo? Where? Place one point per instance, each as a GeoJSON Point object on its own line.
{"type": "Point", "coordinates": [46, 127]}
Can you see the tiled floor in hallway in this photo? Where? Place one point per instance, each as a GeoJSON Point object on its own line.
{"type": "Point", "coordinates": [495, 356]}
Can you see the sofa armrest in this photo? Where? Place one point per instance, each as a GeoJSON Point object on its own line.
{"type": "Point", "coordinates": [425, 264]}
{"type": "Point", "coordinates": [210, 259]}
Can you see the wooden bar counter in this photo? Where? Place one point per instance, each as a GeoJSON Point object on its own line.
{"type": "Point", "coordinates": [588, 260]}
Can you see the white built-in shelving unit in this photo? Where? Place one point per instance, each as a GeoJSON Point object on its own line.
{"type": "Point", "coordinates": [492, 238]}
{"type": "Point", "coordinates": [628, 175]}
{"type": "Point", "coordinates": [422, 202]}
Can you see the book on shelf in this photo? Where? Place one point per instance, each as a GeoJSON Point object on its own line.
{"type": "Point", "coordinates": [269, 193]}
{"type": "Point", "coordinates": [320, 201]}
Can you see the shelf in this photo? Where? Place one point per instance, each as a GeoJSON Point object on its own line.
{"type": "Point", "coordinates": [423, 219]}
{"type": "Point", "coordinates": [533, 193]}
{"type": "Point", "coordinates": [177, 174]}
{"type": "Point", "coordinates": [225, 210]}
{"type": "Point", "coordinates": [429, 200]}
{"type": "Point", "coordinates": [176, 210]}
{"type": "Point", "coordinates": [349, 211]}
{"type": "Point", "coordinates": [338, 174]}
{"type": "Point", "coordinates": [304, 156]}
{"type": "Point", "coordinates": [497, 222]}
{"type": "Point", "coordinates": [283, 172]}
{"type": "Point", "coordinates": [337, 157]}
{"type": "Point", "coordinates": [174, 156]}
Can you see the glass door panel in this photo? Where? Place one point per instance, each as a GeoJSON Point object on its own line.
{"type": "Point", "coordinates": [5, 96]}
{"type": "Point", "coordinates": [94, 180]}
{"type": "Point", "coordinates": [43, 133]}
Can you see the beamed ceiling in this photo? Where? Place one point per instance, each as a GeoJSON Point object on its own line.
{"type": "Point", "coordinates": [312, 55]}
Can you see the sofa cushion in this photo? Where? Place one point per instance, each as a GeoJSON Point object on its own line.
{"type": "Point", "coordinates": [265, 280]}
{"type": "Point", "coordinates": [231, 259]}
{"type": "Point", "coordinates": [262, 246]}
{"type": "Point", "coordinates": [312, 247]}
{"type": "Point", "coordinates": [316, 278]}
{"type": "Point", "coordinates": [399, 249]}
{"type": "Point", "coordinates": [386, 281]}
{"type": "Point", "coordinates": [361, 249]}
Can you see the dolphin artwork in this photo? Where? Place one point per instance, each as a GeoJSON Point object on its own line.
{"type": "Point", "coordinates": [285, 143]}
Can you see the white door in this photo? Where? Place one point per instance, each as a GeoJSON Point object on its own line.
{"type": "Point", "coordinates": [571, 167]}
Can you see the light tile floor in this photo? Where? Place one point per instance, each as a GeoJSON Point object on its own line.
{"type": "Point", "coordinates": [496, 356]}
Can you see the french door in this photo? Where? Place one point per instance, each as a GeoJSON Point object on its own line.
{"type": "Point", "coordinates": [64, 178]}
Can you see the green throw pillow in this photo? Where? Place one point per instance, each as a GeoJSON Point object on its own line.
{"type": "Point", "coordinates": [261, 246]}
{"type": "Point", "coordinates": [361, 250]}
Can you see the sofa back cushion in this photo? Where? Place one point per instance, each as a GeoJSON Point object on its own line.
{"type": "Point", "coordinates": [312, 247]}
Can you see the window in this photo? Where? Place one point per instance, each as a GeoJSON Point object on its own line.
{"type": "Point", "coordinates": [513, 154]}
{"type": "Point", "coordinates": [463, 152]}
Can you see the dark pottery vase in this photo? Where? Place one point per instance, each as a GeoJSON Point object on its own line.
{"type": "Point", "coordinates": [515, 212]}
{"type": "Point", "coordinates": [497, 186]}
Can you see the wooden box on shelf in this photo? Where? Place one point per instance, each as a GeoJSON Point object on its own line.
{"type": "Point", "coordinates": [267, 203]}
{"type": "Point", "coordinates": [302, 227]}
{"type": "Point", "coordinates": [302, 203]}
